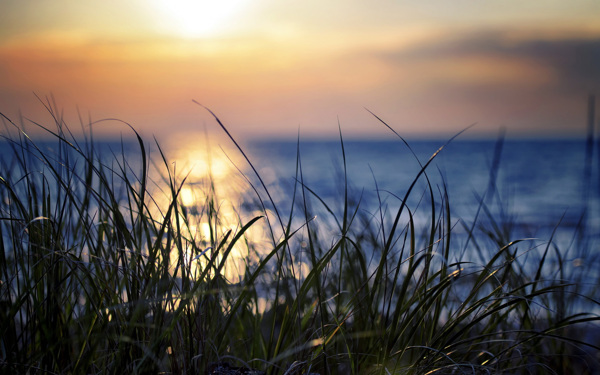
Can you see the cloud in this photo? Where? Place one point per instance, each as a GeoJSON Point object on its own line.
{"type": "Point", "coordinates": [569, 63]}
{"type": "Point", "coordinates": [529, 82]}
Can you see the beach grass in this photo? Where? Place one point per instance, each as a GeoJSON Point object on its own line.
{"type": "Point", "coordinates": [103, 272]}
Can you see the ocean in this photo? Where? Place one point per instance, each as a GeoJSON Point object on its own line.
{"type": "Point", "coordinates": [544, 192]}
{"type": "Point", "coordinates": [536, 184]}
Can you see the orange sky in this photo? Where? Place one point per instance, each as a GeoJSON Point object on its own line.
{"type": "Point", "coordinates": [272, 68]}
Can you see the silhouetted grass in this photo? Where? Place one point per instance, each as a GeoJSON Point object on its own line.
{"type": "Point", "coordinates": [103, 272]}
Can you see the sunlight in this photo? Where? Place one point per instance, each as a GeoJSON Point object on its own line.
{"type": "Point", "coordinates": [215, 208]}
{"type": "Point", "coordinates": [187, 196]}
{"type": "Point", "coordinates": [198, 18]}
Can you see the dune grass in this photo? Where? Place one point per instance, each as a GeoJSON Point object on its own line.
{"type": "Point", "coordinates": [102, 273]}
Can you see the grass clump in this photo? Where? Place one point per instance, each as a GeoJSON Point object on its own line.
{"type": "Point", "coordinates": [103, 270]}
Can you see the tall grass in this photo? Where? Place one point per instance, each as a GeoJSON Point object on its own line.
{"type": "Point", "coordinates": [102, 272]}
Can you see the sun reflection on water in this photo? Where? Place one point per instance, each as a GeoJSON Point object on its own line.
{"type": "Point", "coordinates": [211, 196]}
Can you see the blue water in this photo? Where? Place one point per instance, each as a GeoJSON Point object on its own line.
{"type": "Point", "coordinates": [531, 189]}
{"type": "Point", "coordinates": [536, 184]}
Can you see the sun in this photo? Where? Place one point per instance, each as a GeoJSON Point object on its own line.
{"type": "Point", "coordinates": [198, 18]}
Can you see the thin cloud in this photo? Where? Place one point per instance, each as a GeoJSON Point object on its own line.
{"type": "Point", "coordinates": [574, 61]}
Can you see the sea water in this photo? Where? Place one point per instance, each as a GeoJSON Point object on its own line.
{"type": "Point", "coordinates": [537, 185]}
{"type": "Point", "coordinates": [543, 191]}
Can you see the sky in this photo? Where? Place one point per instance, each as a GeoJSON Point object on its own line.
{"type": "Point", "coordinates": [279, 68]}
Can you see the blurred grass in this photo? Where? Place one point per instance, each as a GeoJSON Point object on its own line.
{"type": "Point", "coordinates": [102, 272]}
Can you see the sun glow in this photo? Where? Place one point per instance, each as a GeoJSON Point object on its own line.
{"type": "Point", "coordinates": [197, 18]}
